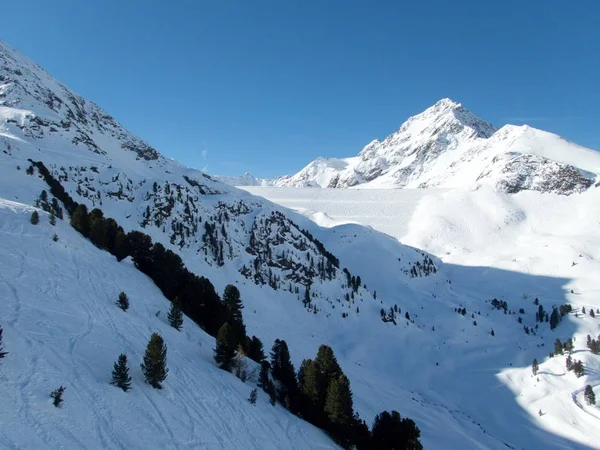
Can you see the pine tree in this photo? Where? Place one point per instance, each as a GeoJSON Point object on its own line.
{"type": "Point", "coordinates": [225, 348]}
{"type": "Point", "coordinates": [2, 353]}
{"type": "Point", "coordinates": [57, 396]}
{"type": "Point", "coordinates": [535, 367]}
{"type": "Point", "coordinates": [35, 218]}
{"type": "Point", "coordinates": [588, 394]}
{"type": "Point", "coordinates": [592, 314]}
{"type": "Point", "coordinates": [154, 366]}
{"type": "Point", "coordinates": [578, 369]}
{"type": "Point", "coordinates": [175, 316]}
{"type": "Point", "coordinates": [283, 370]}
{"type": "Point", "coordinates": [239, 364]}
{"type": "Point", "coordinates": [390, 431]}
{"type": "Point", "coordinates": [339, 409]}
{"type": "Point", "coordinates": [568, 346]}
{"type": "Point", "coordinates": [569, 362]}
{"type": "Point", "coordinates": [554, 319]}
{"type": "Point", "coordinates": [256, 350]}
{"type": "Point", "coordinates": [583, 309]}
{"type": "Point", "coordinates": [120, 374]}
{"type": "Point", "coordinates": [52, 218]}
{"type": "Point", "coordinates": [253, 396]}
{"type": "Point", "coordinates": [233, 306]}
{"type": "Point", "coordinates": [80, 220]}
{"type": "Point", "coordinates": [123, 301]}
{"type": "Point", "coordinates": [558, 347]}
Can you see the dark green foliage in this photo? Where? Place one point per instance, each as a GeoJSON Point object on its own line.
{"type": "Point", "coordinates": [339, 409]}
{"type": "Point", "coordinates": [558, 347]}
{"type": "Point", "coordinates": [55, 237]}
{"type": "Point", "coordinates": [263, 375]}
{"type": "Point", "coordinates": [391, 432]}
{"type": "Point", "coordinates": [282, 370]}
{"type": "Point", "coordinates": [535, 367]}
{"type": "Point", "coordinates": [253, 396]}
{"type": "Point", "coordinates": [592, 314]}
{"type": "Point", "coordinates": [492, 333]}
{"type": "Point", "coordinates": [154, 366]}
{"type": "Point", "coordinates": [255, 350]}
{"type": "Point", "coordinates": [578, 369]}
{"type": "Point", "coordinates": [312, 390]}
{"type": "Point", "coordinates": [225, 347]}
{"type": "Point", "coordinates": [120, 374]}
{"type": "Point", "coordinates": [80, 220]}
{"type": "Point", "coordinates": [175, 316]}
{"type": "Point", "coordinates": [588, 394]}
{"type": "Point", "coordinates": [123, 301]}
{"type": "Point", "coordinates": [554, 318]}
{"type": "Point", "coordinates": [52, 218]}
{"type": "Point", "coordinates": [57, 396]}
{"type": "Point", "coordinates": [233, 308]}
{"type": "Point", "coordinates": [2, 353]}
{"type": "Point", "coordinates": [569, 363]}
{"type": "Point", "coordinates": [35, 218]}
{"type": "Point", "coordinates": [568, 346]}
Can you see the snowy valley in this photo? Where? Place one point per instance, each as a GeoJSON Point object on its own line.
{"type": "Point", "coordinates": [400, 283]}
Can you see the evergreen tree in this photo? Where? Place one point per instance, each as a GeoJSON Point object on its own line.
{"type": "Point", "coordinates": [52, 218]}
{"type": "Point", "coordinates": [583, 309]}
{"type": "Point", "coordinates": [175, 316]}
{"type": "Point", "coordinates": [253, 396]}
{"type": "Point", "coordinates": [568, 346]}
{"type": "Point", "coordinates": [255, 350]}
{"type": "Point", "coordinates": [120, 374]}
{"type": "Point", "coordinates": [592, 314]}
{"type": "Point", "coordinates": [558, 347]}
{"type": "Point", "coordinates": [312, 390]}
{"type": "Point", "coordinates": [263, 375]}
{"type": "Point", "coordinates": [233, 307]}
{"type": "Point", "coordinates": [35, 218]}
{"type": "Point", "coordinates": [391, 432]}
{"type": "Point", "coordinates": [154, 366]}
{"type": "Point", "coordinates": [535, 367]}
{"type": "Point", "coordinates": [2, 353]}
{"type": "Point", "coordinates": [123, 301]}
{"type": "Point", "coordinates": [578, 369]}
{"type": "Point", "coordinates": [588, 394]}
{"type": "Point", "coordinates": [283, 370]}
{"type": "Point", "coordinates": [80, 220]}
{"type": "Point", "coordinates": [57, 396]}
{"type": "Point", "coordinates": [569, 362]}
{"type": "Point", "coordinates": [554, 319]}
{"type": "Point", "coordinates": [339, 409]}
{"type": "Point", "coordinates": [225, 348]}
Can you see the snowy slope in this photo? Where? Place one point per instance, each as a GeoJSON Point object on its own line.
{"type": "Point", "coordinates": [447, 146]}
{"type": "Point", "coordinates": [437, 368]}
{"type": "Point", "coordinates": [62, 327]}
{"type": "Point", "coordinates": [513, 247]}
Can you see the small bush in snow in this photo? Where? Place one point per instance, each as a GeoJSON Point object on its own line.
{"type": "Point", "coordinates": [57, 396]}
{"type": "Point", "coordinates": [35, 218]}
{"type": "Point", "coordinates": [253, 396]}
{"type": "Point", "coordinates": [123, 301]}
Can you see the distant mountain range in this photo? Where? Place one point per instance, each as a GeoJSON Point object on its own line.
{"type": "Point", "coordinates": [447, 146]}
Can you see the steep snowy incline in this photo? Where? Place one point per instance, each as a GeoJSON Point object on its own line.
{"type": "Point", "coordinates": [447, 146]}
{"type": "Point", "coordinates": [62, 327]}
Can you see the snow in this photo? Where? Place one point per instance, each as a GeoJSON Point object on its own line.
{"type": "Point", "coordinates": [492, 245]}
{"type": "Point", "coordinates": [447, 146]}
{"type": "Point", "coordinates": [62, 327]}
{"type": "Point", "coordinates": [464, 388]}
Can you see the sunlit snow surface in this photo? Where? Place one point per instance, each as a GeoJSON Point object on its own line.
{"type": "Point", "coordinates": [513, 247]}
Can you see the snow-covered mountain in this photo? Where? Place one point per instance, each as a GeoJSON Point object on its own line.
{"type": "Point", "coordinates": [245, 179]}
{"type": "Point", "coordinates": [447, 146]}
{"type": "Point", "coordinates": [395, 330]}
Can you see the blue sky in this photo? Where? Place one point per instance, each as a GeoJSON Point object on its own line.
{"type": "Point", "coordinates": [265, 86]}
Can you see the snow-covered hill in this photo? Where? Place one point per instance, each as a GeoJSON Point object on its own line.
{"type": "Point", "coordinates": [62, 327]}
{"type": "Point", "coordinates": [438, 367]}
{"type": "Point", "coordinates": [447, 146]}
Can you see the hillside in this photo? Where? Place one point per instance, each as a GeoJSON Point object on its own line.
{"type": "Point", "coordinates": [395, 331]}
{"type": "Point", "coordinates": [447, 146]}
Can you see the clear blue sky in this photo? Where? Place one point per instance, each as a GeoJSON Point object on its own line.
{"type": "Point", "coordinates": [265, 86]}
